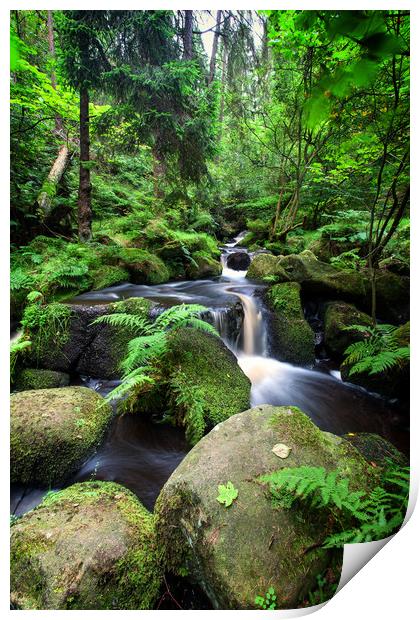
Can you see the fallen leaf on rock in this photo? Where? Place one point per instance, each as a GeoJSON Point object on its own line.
{"type": "Point", "coordinates": [281, 450]}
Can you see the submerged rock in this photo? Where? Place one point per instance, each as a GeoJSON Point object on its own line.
{"type": "Point", "coordinates": [52, 431]}
{"type": "Point", "coordinates": [91, 546]}
{"type": "Point", "coordinates": [338, 317]}
{"type": "Point", "coordinates": [236, 553]}
{"type": "Point", "coordinates": [38, 379]}
{"type": "Point", "coordinates": [294, 340]}
{"type": "Point", "coordinates": [239, 261]}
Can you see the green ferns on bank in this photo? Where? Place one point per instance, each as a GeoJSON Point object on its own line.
{"type": "Point", "coordinates": [357, 516]}
{"type": "Point", "coordinates": [151, 343]}
{"type": "Point", "coordinates": [379, 352]}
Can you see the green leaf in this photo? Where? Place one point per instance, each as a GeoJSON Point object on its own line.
{"type": "Point", "coordinates": [227, 494]}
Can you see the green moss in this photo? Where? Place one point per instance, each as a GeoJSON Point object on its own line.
{"type": "Point", "coordinates": [100, 524]}
{"type": "Point", "coordinates": [203, 266]}
{"type": "Point", "coordinates": [47, 439]}
{"type": "Point", "coordinates": [294, 337]}
{"type": "Point", "coordinates": [266, 265]}
{"type": "Point", "coordinates": [48, 328]}
{"type": "Point", "coordinates": [143, 266]}
{"type": "Point", "coordinates": [109, 276]}
{"type": "Point", "coordinates": [339, 316]}
{"type": "Point", "coordinates": [37, 379]}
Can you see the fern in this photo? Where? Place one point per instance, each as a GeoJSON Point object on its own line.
{"type": "Point", "coordinates": [362, 517]}
{"type": "Point", "coordinates": [17, 349]}
{"type": "Point", "coordinates": [151, 343]}
{"type": "Point", "coordinates": [191, 403]}
{"type": "Point", "coordinates": [379, 352]}
{"type": "Point", "coordinates": [19, 280]}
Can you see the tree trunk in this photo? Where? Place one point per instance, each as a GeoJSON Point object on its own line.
{"type": "Point", "coordinates": [214, 48]}
{"type": "Point", "coordinates": [49, 187]}
{"type": "Point", "coordinates": [51, 47]}
{"type": "Point", "coordinates": [187, 35]}
{"type": "Point", "coordinates": [85, 188]}
{"type": "Point", "coordinates": [158, 174]}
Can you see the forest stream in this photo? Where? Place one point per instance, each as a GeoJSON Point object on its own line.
{"type": "Point", "coordinates": [141, 455]}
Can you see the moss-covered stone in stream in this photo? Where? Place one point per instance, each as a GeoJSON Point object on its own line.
{"type": "Point", "coordinates": [199, 361]}
{"type": "Point", "coordinates": [143, 266]}
{"type": "Point", "coordinates": [49, 329]}
{"type": "Point", "coordinates": [38, 379]}
{"type": "Point", "coordinates": [267, 267]}
{"type": "Point", "coordinates": [90, 546]}
{"type": "Point", "coordinates": [338, 317]}
{"type": "Point", "coordinates": [203, 266]}
{"type": "Point", "coordinates": [293, 337]}
{"type": "Point", "coordinates": [53, 430]}
{"type": "Point", "coordinates": [109, 275]}
{"type": "Point", "coordinates": [237, 553]}
{"type": "Point", "coordinates": [375, 449]}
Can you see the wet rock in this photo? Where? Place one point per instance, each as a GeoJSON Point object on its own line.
{"type": "Point", "coordinates": [239, 261]}
{"type": "Point", "coordinates": [91, 546]}
{"type": "Point", "coordinates": [109, 275]}
{"type": "Point", "coordinates": [338, 317]}
{"type": "Point", "coordinates": [293, 340]}
{"type": "Point", "coordinates": [238, 552]}
{"type": "Point", "coordinates": [143, 266]}
{"type": "Point", "coordinates": [52, 431]}
{"type": "Point", "coordinates": [74, 344]}
{"type": "Point", "coordinates": [37, 379]}
{"type": "Point", "coordinates": [203, 267]}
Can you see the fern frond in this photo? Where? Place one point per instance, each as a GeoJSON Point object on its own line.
{"type": "Point", "coordinates": [127, 321]}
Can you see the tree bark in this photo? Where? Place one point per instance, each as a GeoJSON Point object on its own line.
{"type": "Point", "coordinates": [51, 47]}
{"type": "Point", "coordinates": [49, 187]}
{"type": "Point", "coordinates": [85, 188]}
{"type": "Point", "coordinates": [158, 174]}
{"type": "Point", "coordinates": [212, 72]}
{"type": "Point", "coordinates": [187, 35]}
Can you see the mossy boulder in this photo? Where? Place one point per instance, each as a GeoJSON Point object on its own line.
{"type": "Point", "coordinates": [393, 296]}
{"type": "Point", "coordinates": [65, 339]}
{"type": "Point", "coordinates": [199, 361]}
{"type": "Point", "coordinates": [109, 275]}
{"type": "Point", "coordinates": [143, 266]}
{"type": "Point", "coordinates": [38, 379]}
{"type": "Point", "coordinates": [338, 317]}
{"type": "Point", "coordinates": [52, 431]}
{"type": "Point", "coordinates": [90, 546]}
{"type": "Point", "coordinates": [293, 339]}
{"type": "Point", "coordinates": [237, 553]}
{"type": "Point", "coordinates": [240, 261]}
{"type": "Point", "coordinates": [267, 266]}
{"type": "Point", "coordinates": [392, 383]}
{"type": "Point", "coordinates": [203, 266]}
{"type": "Point", "coordinates": [376, 449]}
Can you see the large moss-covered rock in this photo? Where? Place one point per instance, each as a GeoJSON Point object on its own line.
{"type": "Point", "coordinates": [143, 266]}
{"type": "Point", "coordinates": [267, 266]}
{"type": "Point", "coordinates": [52, 431]}
{"type": "Point", "coordinates": [203, 266]}
{"type": "Point", "coordinates": [338, 317]}
{"type": "Point", "coordinates": [198, 363]}
{"type": "Point", "coordinates": [392, 383]}
{"type": "Point", "coordinates": [91, 546]}
{"type": "Point", "coordinates": [109, 275]}
{"type": "Point", "coordinates": [393, 296]}
{"type": "Point", "coordinates": [38, 379]}
{"type": "Point", "coordinates": [238, 552]}
{"type": "Point", "coordinates": [65, 339]}
{"type": "Point", "coordinates": [293, 339]}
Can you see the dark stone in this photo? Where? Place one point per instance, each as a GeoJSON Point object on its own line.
{"type": "Point", "coordinates": [239, 261]}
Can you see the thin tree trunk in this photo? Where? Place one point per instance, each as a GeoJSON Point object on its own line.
{"type": "Point", "coordinates": [49, 187]}
{"type": "Point", "coordinates": [51, 47]}
{"type": "Point", "coordinates": [158, 174]}
{"type": "Point", "coordinates": [187, 35]}
{"type": "Point", "coordinates": [85, 188]}
{"type": "Point", "coordinates": [212, 72]}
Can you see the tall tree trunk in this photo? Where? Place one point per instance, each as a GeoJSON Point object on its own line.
{"type": "Point", "coordinates": [187, 35]}
{"type": "Point", "coordinates": [85, 188]}
{"type": "Point", "coordinates": [49, 187]}
{"type": "Point", "coordinates": [51, 47]}
{"type": "Point", "coordinates": [158, 174]}
{"type": "Point", "coordinates": [212, 72]}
